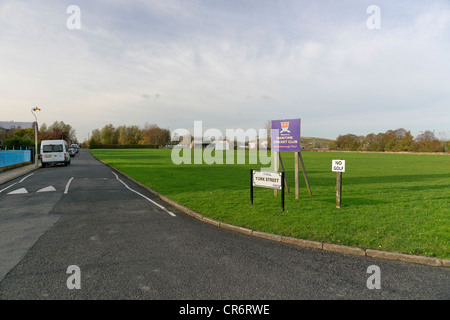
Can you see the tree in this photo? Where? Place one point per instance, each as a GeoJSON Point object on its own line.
{"type": "Point", "coordinates": [66, 130]}
{"type": "Point", "coordinates": [24, 133]}
{"type": "Point", "coordinates": [57, 131]}
{"type": "Point", "coordinates": [17, 142]}
{"type": "Point", "coordinates": [369, 143]}
{"type": "Point", "coordinates": [332, 145]}
{"type": "Point", "coordinates": [96, 135]}
{"type": "Point", "coordinates": [122, 132]}
{"type": "Point", "coordinates": [43, 127]}
{"type": "Point", "coordinates": [389, 140]}
{"type": "Point", "coordinates": [405, 140]}
{"type": "Point", "coordinates": [427, 142]}
{"type": "Point", "coordinates": [398, 140]}
{"type": "Point", "coordinates": [95, 138]}
{"type": "Point", "coordinates": [392, 140]}
{"type": "Point", "coordinates": [349, 142]}
{"type": "Point", "coordinates": [108, 135]}
{"type": "Point", "coordinates": [155, 135]}
{"type": "Point", "coordinates": [129, 135]}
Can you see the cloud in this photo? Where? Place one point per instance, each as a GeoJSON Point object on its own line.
{"type": "Point", "coordinates": [228, 63]}
{"type": "Point", "coordinates": [152, 97]}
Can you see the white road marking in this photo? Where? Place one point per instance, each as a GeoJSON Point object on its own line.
{"type": "Point", "coordinates": [47, 189]}
{"type": "Point", "coordinates": [15, 183]}
{"type": "Point", "coordinates": [26, 177]}
{"type": "Point", "coordinates": [67, 186]}
{"type": "Point", "coordinates": [19, 191]}
{"type": "Point", "coordinates": [8, 187]}
{"type": "Point", "coordinates": [146, 198]}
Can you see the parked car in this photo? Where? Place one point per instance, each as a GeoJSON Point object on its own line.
{"type": "Point", "coordinates": [54, 152]}
{"type": "Point", "coordinates": [72, 151]}
{"type": "Point", "coordinates": [75, 146]}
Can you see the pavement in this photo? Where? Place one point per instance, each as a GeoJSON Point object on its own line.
{"type": "Point", "coordinates": [12, 174]}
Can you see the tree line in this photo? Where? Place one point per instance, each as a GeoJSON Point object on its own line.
{"type": "Point", "coordinates": [391, 141]}
{"type": "Point", "coordinates": [399, 140]}
{"type": "Point", "coordinates": [150, 135]}
{"type": "Point", "coordinates": [24, 138]}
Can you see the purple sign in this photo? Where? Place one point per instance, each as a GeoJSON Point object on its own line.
{"type": "Point", "coordinates": [286, 135]}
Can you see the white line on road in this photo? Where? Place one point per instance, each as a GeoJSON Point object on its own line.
{"type": "Point", "coordinates": [26, 177]}
{"type": "Point", "coordinates": [8, 187]}
{"type": "Point", "coordinates": [67, 186]}
{"type": "Point", "coordinates": [156, 204]}
{"type": "Point", "coordinates": [16, 183]}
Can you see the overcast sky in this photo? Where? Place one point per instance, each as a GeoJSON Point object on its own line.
{"type": "Point", "coordinates": [229, 63]}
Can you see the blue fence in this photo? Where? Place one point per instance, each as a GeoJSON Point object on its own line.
{"type": "Point", "coordinates": [11, 157]}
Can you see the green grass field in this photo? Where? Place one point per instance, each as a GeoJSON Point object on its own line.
{"type": "Point", "coordinates": [390, 202]}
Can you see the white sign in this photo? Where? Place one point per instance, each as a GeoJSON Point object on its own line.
{"type": "Point", "coordinates": [267, 179]}
{"type": "Point", "coordinates": [338, 166]}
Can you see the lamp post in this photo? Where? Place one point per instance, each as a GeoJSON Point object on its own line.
{"type": "Point", "coordinates": [35, 136]}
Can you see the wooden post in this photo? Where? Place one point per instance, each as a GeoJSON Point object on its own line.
{"type": "Point", "coordinates": [338, 189]}
{"type": "Point", "coordinates": [275, 168]}
{"type": "Point", "coordinates": [282, 191]}
{"type": "Point", "coordinates": [296, 176]}
{"type": "Point", "coordinates": [304, 173]}
{"type": "Point", "coordinates": [282, 169]}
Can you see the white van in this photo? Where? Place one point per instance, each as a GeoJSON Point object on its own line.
{"type": "Point", "coordinates": [54, 151]}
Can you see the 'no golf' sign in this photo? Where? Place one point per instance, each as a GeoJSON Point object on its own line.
{"type": "Point", "coordinates": [338, 166]}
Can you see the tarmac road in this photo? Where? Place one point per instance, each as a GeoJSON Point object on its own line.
{"type": "Point", "coordinates": [127, 247]}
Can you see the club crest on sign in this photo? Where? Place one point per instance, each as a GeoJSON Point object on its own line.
{"type": "Point", "coordinates": [285, 127]}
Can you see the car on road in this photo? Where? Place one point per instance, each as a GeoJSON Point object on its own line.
{"type": "Point", "coordinates": [75, 147]}
{"type": "Point", "coordinates": [72, 151]}
{"type": "Point", "coordinates": [54, 152]}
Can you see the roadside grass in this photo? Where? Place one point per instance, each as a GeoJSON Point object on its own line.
{"type": "Point", "coordinates": [390, 202]}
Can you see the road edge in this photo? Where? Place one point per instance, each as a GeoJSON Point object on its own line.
{"type": "Point", "coordinates": [435, 262]}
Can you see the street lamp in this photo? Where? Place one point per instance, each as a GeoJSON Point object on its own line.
{"type": "Point", "coordinates": [35, 136]}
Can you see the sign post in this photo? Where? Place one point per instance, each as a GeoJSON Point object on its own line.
{"type": "Point", "coordinates": [304, 174]}
{"type": "Point", "coordinates": [338, 190]}
{"type": "Point", "coordinates": [338, 166]}
{"type": "Point", "coordinates": [276, 166]}
{"type": "Point", "coordinates": [286, 137]}
{"type": "Point", "coordinates": [296, 175]}
{"type": "Point", "coordinates": [268, 180]}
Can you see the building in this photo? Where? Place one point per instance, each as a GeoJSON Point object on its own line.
{"type": "Point", "coordinates": [10, 125]}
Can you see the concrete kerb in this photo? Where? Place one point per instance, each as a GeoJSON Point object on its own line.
{"type": "Point", "coordinates": [436, 262]}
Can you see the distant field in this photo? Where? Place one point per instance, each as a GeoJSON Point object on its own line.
{"type": "Point", "coordinates": [391, 202]}
{"type": "Point", "coordinates": [310, 143]}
